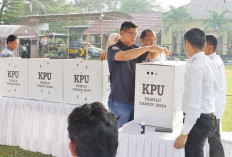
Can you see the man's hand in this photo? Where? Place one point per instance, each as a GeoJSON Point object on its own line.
{"type": "Point", "coordinates": [156, 49]}
{"type": "Point", "coordinates": [167, 52]}
{"type": "Point", "coordinates": [180, 141]}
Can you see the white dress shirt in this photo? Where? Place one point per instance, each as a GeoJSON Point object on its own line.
{"type": "Point", "coordinates": [199, 91]}
{"type": "Point", "coordinates": [221, 93]}
{"type": "Point", "coordinates": [7, 52]}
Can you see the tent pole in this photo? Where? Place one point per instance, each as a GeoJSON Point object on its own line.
{"type": "Point", "coordinates": [68, 38]}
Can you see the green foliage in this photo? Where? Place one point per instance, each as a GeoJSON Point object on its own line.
{"type": "Point", "coordinates": [174, 19]}
{"type": "Point", "coordinates": [4, 5]}
{"type": "Point", "coordinates": [227, 118]}
{"type": "Point", "coordinates": [217, 22]}
{"type": "Point", "coordinates": [13, 11]}
{"type": "Point", "coordinates": [116, 30]}
{"type": "Point", "coordinates": [139, 6]}
{"type": "Point", "coordinates": [97, 5]}
{"type": "Point", "coordinates": [41, 7]}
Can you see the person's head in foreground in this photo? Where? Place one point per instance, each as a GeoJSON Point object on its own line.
{"type": "Point", "coordinates": [128, 32]}
{"type": "Point", "coordinates": [93, 131]}
{"type": "Point", "coordinates": [210, 45]}
{"type": "Point", "coordinates": [194, 42]}
{"type": "Point", "coordinates": [148, 37]}
{"type": "Point", "coordinates": [12, 42]}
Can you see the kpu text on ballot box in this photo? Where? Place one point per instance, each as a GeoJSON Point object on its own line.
{"type": "Point", "coordinates": [14, 77]}
{"type": "Point", "coordinates": [46, 79]}
{"type": "Point", "coordinates": [158, 92]}
{"type": "Point", "coordinates": [86, 81]}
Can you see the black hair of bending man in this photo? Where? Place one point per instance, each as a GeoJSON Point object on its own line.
{"type": "Point", "coordinates": [93, 131]}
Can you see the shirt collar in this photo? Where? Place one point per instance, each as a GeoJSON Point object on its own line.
{"type": "Point", "coordinates": [9, 49]}
{"type": "Point", "coordinates": [212, 55]}
{"type": "Point", "coordinates": [121, 44]}
{"type": "Point", "coordinates": [199, 54]}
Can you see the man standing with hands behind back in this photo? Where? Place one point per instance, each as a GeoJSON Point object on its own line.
{"type": "Point", "coordinates": [215, 145]}
{"type": "Point", "coordinates": [122, 58]}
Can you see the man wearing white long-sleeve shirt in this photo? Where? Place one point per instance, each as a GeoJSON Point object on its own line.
{"type": "Point", "coordinates": [216, 148]}
{"type": "Point", "coordinates": [12, 44]}
{"type": "Point", "coordinates": [199, 96]}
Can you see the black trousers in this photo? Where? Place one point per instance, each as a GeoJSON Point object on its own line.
{"type": "Point", "coordinates": [205, 127]}
{"type": "Point", "coordinates": [215, 145]}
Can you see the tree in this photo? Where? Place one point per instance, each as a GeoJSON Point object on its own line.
{"type": "Point", "coordinates": [219, 24]}
{"type": "Point", "coordinates": [3, 6]}
{"type": "Point", "coordinates": [41, 7]}
{"type": "Point", "coordinates": [139, 6]}
{"type": "Point", "coordinates": [174, 19]}
{"type": "Point", "coordinates": [13, 11]}
{"type": "Point", "coordinates": [97, 5]}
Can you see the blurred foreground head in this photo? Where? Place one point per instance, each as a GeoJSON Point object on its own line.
{"type": "Point", "coordinates": [93, 131]}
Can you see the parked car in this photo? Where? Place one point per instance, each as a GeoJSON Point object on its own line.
{"type": "Point", "coordinates": [78, 49]}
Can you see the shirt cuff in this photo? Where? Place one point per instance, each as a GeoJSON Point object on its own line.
{"type": "Point", "coordinates": [186, 128]}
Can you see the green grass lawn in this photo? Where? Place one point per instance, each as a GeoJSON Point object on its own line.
{"type": "Point", "coordinates": [9, 151]}
{"type": "Point", "coordinates": [227, 118]}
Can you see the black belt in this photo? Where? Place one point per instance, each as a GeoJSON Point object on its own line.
{"type": "Point", "coordinates": [202, 115]}
{"type": "Point", "coordinates": [207, 115]}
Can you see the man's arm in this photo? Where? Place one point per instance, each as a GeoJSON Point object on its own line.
{"type": "Point", "coordinates": [135, 53]}
{"type": "Point", "coordinates": [195, 80]}
{"type": "Point", "coordinates": [155, 54]}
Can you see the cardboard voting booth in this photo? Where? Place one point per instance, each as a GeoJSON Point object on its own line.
{"type": "Point", "coordinates": [14, 77]}
{"type": "Point", "coordinates": [46, 79]}
{"type": "Point", "coordinates": [86, 81]}
{"type": "Point", "coordinates": [158, 92]}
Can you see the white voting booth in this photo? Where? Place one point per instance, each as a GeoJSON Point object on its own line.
{"type": "Point", "coordinates": [86, 81]}
{"type": "Point", "coordinates": [14, 77]}
{"type": "Point", "coordinates": [158, 92]}
{"type": "Point", "coordinates": [46, 79]}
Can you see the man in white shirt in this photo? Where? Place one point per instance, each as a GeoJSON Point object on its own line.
{"type": "Point", "coordinates": [12, 44]}
{"type": "Point", "coordinates": [216, 148]}
{"type": "Point", "coordinates": [199, 96]}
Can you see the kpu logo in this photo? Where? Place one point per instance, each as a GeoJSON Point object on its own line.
{"type": "Point", "coordinates": [12, 74]}
{"type": "Point", "coordinates": [151, 88]}
{"type": "Point", "coordinates": [44, 75]}
{"type": "Point", "coordinates": [81, 78]}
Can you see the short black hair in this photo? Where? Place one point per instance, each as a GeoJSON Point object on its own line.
{"type": "Point", "coordinates": [212, 40]}
{"type": "Point", "coordinates": [196, 37]}
{"type": "Point", "coordinates": [94, 131]}
{"type": "Point", "coordinates": [11, 38]}
{"type": "Point", "coordinates": [127, 25]}
{"type": "Point", "coordinates": [144, 33]}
